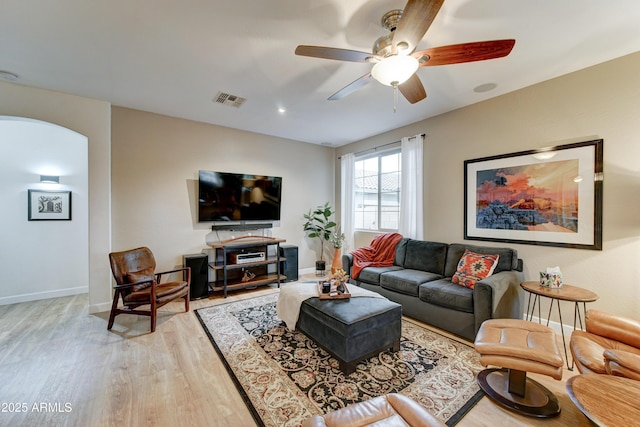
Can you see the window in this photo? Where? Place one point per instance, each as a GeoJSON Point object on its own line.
{"type": "Point", "coordinates": [377, 191]}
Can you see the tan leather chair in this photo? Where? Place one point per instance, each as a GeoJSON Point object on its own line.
{"type": "Point", "coordinates": [138, 284]}
{"type": "Point", "coordinates": [390, 410]}
{"type": "Point", "coordinates": [610, 345]}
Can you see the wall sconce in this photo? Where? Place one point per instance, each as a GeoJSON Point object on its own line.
{"type": "Point", "coordinates": [50, 179]}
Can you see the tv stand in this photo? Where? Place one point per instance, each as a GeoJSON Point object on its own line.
{"type": "Point", "coordinates": [238, 271]}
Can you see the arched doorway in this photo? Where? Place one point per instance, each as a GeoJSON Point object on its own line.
{"type": "Point", "coordinates": [42, 258]}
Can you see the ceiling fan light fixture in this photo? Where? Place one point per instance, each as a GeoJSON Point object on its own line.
{"type": "Point", "coordinates": [394, 70]}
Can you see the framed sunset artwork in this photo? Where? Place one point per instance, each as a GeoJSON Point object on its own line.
{"type": "Point", "coordinates": [550, 196]}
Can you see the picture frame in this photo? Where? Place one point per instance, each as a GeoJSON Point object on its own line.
{"type": "Point", "coordinates": [49, 205]}
{"type": "Point", "coordinates": [549, 197]}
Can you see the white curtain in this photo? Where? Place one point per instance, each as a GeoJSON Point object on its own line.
{"type": "Point", "coordinates": [347, 208]}
{"type": "Point", "coordinates": [411, 218]}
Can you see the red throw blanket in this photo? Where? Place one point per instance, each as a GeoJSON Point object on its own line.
{"type": "Point", "coordinates": [380, 254]}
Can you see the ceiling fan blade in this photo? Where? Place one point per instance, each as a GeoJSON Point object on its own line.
{"type": "Point", "coordinates": [413, 89]}
{"type": "Point", "coordinates": [351, 87]}
{"type": "Point", "coordinates": [464, 52]}
{"type": "Point", "coordinates": [417, 17]}
{"type": "Point", "coordinates": [334, 53]}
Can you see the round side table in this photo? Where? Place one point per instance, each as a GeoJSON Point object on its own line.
{"type": "Point", "coordinates": [574, 294]}
{"type": "Point", "coordinates": [606, 400]}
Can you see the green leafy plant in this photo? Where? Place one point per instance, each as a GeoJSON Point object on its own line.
{"type": "Point", "coordinates": [319, 225]}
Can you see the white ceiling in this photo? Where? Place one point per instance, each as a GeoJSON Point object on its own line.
{"type": "Point", "coordinates": [172, 57]}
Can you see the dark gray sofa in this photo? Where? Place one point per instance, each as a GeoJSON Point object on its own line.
{"type": "Point", "coordinates": [420, 280]}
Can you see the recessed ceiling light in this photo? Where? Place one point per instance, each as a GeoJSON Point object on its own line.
{"type": "Point", "coordinates": [485, 87]}
{"type": "Point", "coordinates": [8, 75]}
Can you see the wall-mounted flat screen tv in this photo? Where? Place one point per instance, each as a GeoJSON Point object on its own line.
{"type": "Point", "coordinates": [224, 196]}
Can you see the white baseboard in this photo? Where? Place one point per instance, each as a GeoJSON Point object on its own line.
{"type": "Point", "coordinates": [99, 308]}
{"type": "Point", "coordinates": [306, 271]}
{"type": "Point", "coordinates": [14, 299]}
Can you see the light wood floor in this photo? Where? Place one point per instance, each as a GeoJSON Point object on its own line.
{"type": "Point", "coordinates": [60, 366]}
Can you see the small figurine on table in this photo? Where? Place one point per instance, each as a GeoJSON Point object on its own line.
{"type": "Point", "coordinates": [340, 277]}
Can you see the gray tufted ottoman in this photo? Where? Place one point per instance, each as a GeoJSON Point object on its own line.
{"type": "Point", "coordinates": [352, 329]}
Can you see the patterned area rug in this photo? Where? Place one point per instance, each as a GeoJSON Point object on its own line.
{"type": "Point", "coordinates": [286, 378]}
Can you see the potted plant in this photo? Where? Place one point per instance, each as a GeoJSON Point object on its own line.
{"type": "Point", "coordinates": [319, 225]}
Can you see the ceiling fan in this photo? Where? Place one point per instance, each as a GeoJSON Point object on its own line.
{"type": "Point", "coordinates": [394, 57]}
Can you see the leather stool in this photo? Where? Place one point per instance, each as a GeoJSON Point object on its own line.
{"type": "Point", "coordinates": [518, 347]}
{"type": "Point", "coordinates": [390, 410]}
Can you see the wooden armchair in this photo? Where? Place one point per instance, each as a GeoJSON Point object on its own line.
{"type": "Point", "coordinates": [138, 284]}
{"type": "Point", "coordinates": [610, 345]}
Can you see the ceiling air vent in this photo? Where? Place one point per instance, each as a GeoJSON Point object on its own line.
{"type": "Point", "coordinates": [228, 99]}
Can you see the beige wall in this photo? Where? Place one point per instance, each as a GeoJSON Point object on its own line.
{"type": "Point", "coordinates": [599, 102]}
{"type": "Point", "coordinates": [91, 118]}
{"type": "Point", "coordinates": [164, 154]}
{"type": "Point", "coordinates": [155, 170]}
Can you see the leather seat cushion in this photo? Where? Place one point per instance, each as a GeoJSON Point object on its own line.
{"type": "Point", "coordinates": [390, 411]}
{"type": "Point", "coordinates": [163, 291]}
{"type": "Point", "coordinates": [521, 345]}
{"type": "Point", "coordinates": [143, 275]}
{"type": "Point", "coordinates": [352, 329]}
{"type": "Point", "coordinates": [354, 316]}
{"type": "Point", "coordinates": [623, 364]}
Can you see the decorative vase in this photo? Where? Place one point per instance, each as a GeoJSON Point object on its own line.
{"type": "Point", "coordinates": [337, 261]}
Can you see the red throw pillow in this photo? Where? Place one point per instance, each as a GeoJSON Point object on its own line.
{"type": "Point", "coordinates": [473, 267]}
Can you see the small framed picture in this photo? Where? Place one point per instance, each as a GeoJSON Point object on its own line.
{"type": "Point", "coordinates": [46, 205]}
